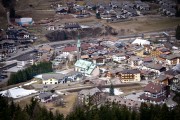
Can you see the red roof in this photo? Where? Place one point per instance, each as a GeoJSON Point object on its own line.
{"type": "Point", "coordinates": [99, 47]}
{"type": "Point", "coordinates": [154, 87]}
{"type": "Point", "coordinates": [159, 99]}
{"type": "Point", "coordinates": [70, 49]}
{"type": "Point", "coordinates": [147, 59]}
{"type": "Point", "coordinates": [84, 46]}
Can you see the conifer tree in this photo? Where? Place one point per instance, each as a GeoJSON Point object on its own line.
{"type": "Point", "coordinates": [111, 90]}
{"type": "Point", "coordinates": [178, 32]}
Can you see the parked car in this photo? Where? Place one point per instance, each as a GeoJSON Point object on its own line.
{"type": "Point", "coordinates": [3, 76]}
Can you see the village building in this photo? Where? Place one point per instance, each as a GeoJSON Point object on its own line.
{"type": "Point", "coordinates": [148, 75]}
{"type": "Point", "coordinates": [175, 86]}
{"type": "Point", "coordinates": [24, 21]}
{"type": "Point", "coordinates": [45, 97]}
{"type": "Point", "coordinates": [55, 78]}
{"type": "Point", "coordinates": [162, 79]}
{"type": "Point", "coordinates": [154, 67]}
{"type": "Point", "coordinates": [59, 78]}
{"type": "Point", "coordinates": [87, 68]}
{"type": "Point", "coordinates": [72, 26]}
{"type": "Point", "coordinates": [130, 104]}
{"type": "Point", "coordinates": [154, 93]}
{"type": "Point", "coordinates": [62, 10]}
{"type": "Point", "coordinates": [113, 72]}
{"type": "Point", "coordinates": [173, 59]}
{"type": "Point", "coordinates": [119, 57]}
{"type": "Point", "coordinates": [99, 60]}
{"type": "Point", "coordinates": [135, 61]}
{"type": "Point", "coordinates": [84, 95]}
{"type": "Point", "coordinates": [131, 75]}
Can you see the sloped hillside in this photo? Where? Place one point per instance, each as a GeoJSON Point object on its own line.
{"type": "Point", "coordinates": [84, 33]}
{"type": "Point", "coordinates": [3, 21]}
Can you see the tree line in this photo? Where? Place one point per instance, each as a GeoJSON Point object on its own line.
{"type": "Point", "coordinates": [178, 32]}
{"type": "Point", "coordinates": [30, 72]}
{"type": "Point", "coordinates": [33, 111]}
{"type": "Point", "coordinates": [9, 5]}
{"type": "Point", "coordinates": [116, 112]}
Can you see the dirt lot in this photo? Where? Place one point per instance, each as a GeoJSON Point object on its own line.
{"type": "Point", "coordinates": [130, 89]}
{"type": "Point", "coordinates": [70, 100]}
{"type": "Point", "coordinates": [24, 102]}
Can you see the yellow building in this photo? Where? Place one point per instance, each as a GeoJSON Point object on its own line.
{"type": "Point", "coordinates": [132, 75]}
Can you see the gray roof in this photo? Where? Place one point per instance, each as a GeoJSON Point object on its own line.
{"type": "Point", "coordinates": [71, 25]}
{"type": "Point", "coordinates": [45, 95]}
{"type": "Point", "coordinates": [135, 58]}
{"type": "Point", "coordinates": [132, 71]}
{"type": "Point", "coordinates": [72, 73]}
{"type": "Point", "coordinates": [89, 92]}
{"type": "Point", "coordinates": [123, 101]}
{"type": "Point", "coordinates": [172, 56]}
{"type": "Point", "coordinates": [57, 76]}
{"type": "Point", "coordinates": [161, 77]}
{"type": "Point", "coordinates": [153, 66]}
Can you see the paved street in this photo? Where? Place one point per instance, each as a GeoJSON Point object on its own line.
{"type": "Point", "coordinates": [30, 49]}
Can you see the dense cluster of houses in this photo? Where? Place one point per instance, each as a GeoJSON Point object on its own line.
{"type": "Point", "coordinates": [121, 10]}
{"type": "Point", "coordinates": [129, 61]}
{"type": "Point", "coordinates": [153, 93]}
{"type": "Point", "coordinates": [134, 61]}
{"type": "Point", "coordinates": [168, 7]}
{"type": "Point", "coordinates": [114, 10]}
{"type": "Point", "coordinates": [12, 39]}
{"type": "Point", "coordinates": [70, 7]}
{"type": "Point", "coordinates": [66, 26]}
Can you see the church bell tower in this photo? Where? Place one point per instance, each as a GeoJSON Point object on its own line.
{"type": "Point", "coordinates": [78, 47]}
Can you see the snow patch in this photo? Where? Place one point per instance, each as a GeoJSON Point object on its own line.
{"type": "Point", "coordinates": [84, 26]}
{"type": "Point", "coordinates": [38, 76]}
{"type": "Point", "coordinates": [116, 91]}
{"type": "Point", "coordinates": [141, 42]}
{"type": "Point", "coordinates": [17, 92]}
{"type": "Point", "coordinates": [175, 48]}
{"type": "Point", "coordinates": [30, 83]}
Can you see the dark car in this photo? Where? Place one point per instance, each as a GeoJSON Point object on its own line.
{"type": "Point", "coordinates": [3, 76]}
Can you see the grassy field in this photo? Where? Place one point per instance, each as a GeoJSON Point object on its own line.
{"type": "Point", "coordinates": [37, 14]}
{"type": "Point", "coordinates": [70, 100]}
{"type": "Point", "coordinates": [24, 102]}
{"type": "Point", "coordinates": [130, 89]}
{"type": "Point", "coordinates": [146, 24]}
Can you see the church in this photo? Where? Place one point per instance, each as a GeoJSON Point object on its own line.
{"type": "Point", "coordinates": [87, 68]}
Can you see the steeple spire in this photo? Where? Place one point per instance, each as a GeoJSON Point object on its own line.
{"type": "Point", "coordinates": [78, 47]}
{"type": "Point", "coordinates": [78, 42]}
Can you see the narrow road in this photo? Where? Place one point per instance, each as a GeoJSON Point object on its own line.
{"type": "Point", "coordinates": [27, 10]}
{"type": "Point", "coordinates": [76, 89]}
{"type": "Point", "coordinates": [36, 47]}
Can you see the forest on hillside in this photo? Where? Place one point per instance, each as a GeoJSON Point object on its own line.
{"type": "Point", "coordinates": [28, 73]}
